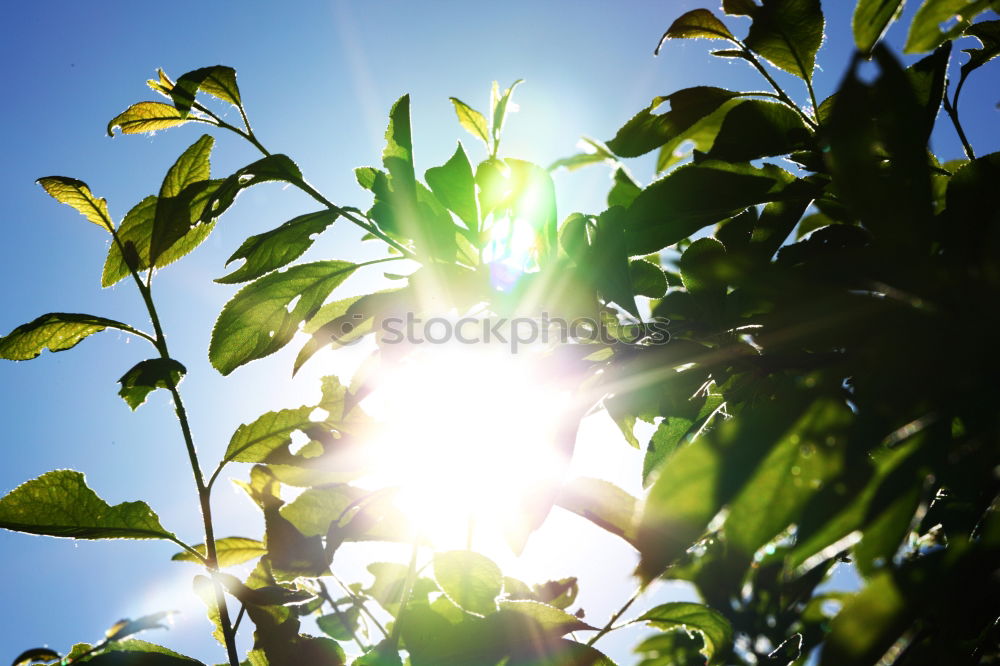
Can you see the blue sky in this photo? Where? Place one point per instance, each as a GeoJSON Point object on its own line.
{"type": "Point", "coordinates": [318, 79]}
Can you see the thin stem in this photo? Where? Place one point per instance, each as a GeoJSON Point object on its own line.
{"type": "Point", "coordinates": [340, 615]}
{"type": "Point", "coordinates": [239, 617]}
{"type": "Point", "coordinates": [204, 493]}
{"type": "Point", "coordinates": [951, 107]}
{"type": "Point", "coordinates": [614, 618]}
{"type": "Point", "coordinates": [201, 558]}
{"type": "Point", "coordinates": [411, 577]}
{"type": "Point", "coordinates": [782, 95]}
{"type": "Point", "coordinates": [302, 184]}
{"type": "Point", "coordinates": [360, 603]}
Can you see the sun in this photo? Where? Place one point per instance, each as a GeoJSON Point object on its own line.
{"type": "Point", "coordinates": [467, 437]}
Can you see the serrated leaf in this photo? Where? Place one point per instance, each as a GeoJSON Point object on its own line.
{"type": "Point", "coordinates": [755, 128]}
{"type": "Point", "coordinates": [254, 442]}
{"type": "Point", "coordinates": [55, 331]}
{"type": "Point", "coordinates": [988, 34]}
{"type": "Point", "coordinates": [267, 169]}
{"type": "Point", "coordinates": [77, 194]}
{"type": "Point", "coordinates": [710, 623]}
{"type": "Point", "coordinates": [694, 196]}
{"type": "Point", "coordinates": [218, 81]}
{"type": "Point", "coordinates": [229, 551]}
{"type": "Point", "coordinates": [550, 619]}
{"type": "Point", "coordinates": [454, 184]}
{"type": "Point", "coordinates": [871, 20]}
{"type": "Point", "coordinates": [276, 248]}
{"type": "Point", "coordinates": [205, 590]}
{"type": "Point", "coordinates": [602, 503]}
{"type": "Point", "coordinates": [43, 655]}
{"type": "Point", "coordinates": [267, 595]}
{"type": "Point", "coordinates": [147, 376]}
{"type": "Point", "coordinates": [473, 121]}
{"type": "Point", "coordinates": [60, 504]}
{"type": "Point", "coordinates": [146, 117]}
{"type": "Point", "coordinates": [624, 190]}
{"type": "Point", "coordinates": [697, 23]}
{"type": "Point", "coordinates": [133, 652]}
{"type": "Point", "coordinates": [788, 33]}
{"type": "Point", "coordinates": [647, 279]}
{"type": "Point", "coordinates": [182, 190]}
{"type": "Point", "coordinates": [341, 626]}
{"type": "Point", "coordinates": [263, 316]}
{"type": "Point", "coordinates": [472, 581]}
{"type": "Point", "coordinates": [648, 130]}
{"type": "Point", "coordinates": [925, 30]}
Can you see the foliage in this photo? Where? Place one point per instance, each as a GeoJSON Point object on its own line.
{"type": "Point", "coordinates": [827, 395]}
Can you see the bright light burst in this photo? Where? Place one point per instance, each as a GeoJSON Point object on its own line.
{"type": "Point", "coordinates": [468, 438]}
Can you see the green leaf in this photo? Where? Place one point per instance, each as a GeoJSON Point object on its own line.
{"type": "Point", "coordinates": [470, 580]}
{"type": "Point", "coordinates": [871, 20]}
{"type": "Point", "coordinates": [710, 623]}
{"type": "Point", "coordinates": [267, 169]}
{"type": "Point", "coordinates": [595, 153]}
{"type": "Point", "coordinates": [275, 248]}
{"type": "Point", "coordinates": [60, 504]}
{"type": "Point", "coordinates": [147, 376]}
{"type": "Point", "coordinates": [255, 442]}
{"type": "Point", "coordinates": [672, 431]}
{"type": "Point", "coordinates": [314, 510]}
{"type": "Point", "coordinates": [795, 470]}
{"type": "Point", "coordinates": [76, 193]}
{"type": "Point", "coordinates": [755, 128]}
{"type": "Point", "coordinates": [925, 29]}
{"type": "Point", "coordinates": [134, 652]}
{"type": "Point", "coordinates": [788, 33]}
{"type": "Point", "coordinates": [33, 655]}
{"type": "Point", "coordinates": [454, 184]}
{"type": "Point", "coordinates": [648, 130]}
{"type": "Point", "coordinates": [263, 316]}
{"type": "Point", "coordinates": [55, 331]}
{"type": "Point", "coordinates": [624, 190]}
{"type": "Point", "coordinates": [340, 626]}
{"type": "Point", "coordinates": [647, 278]}
{"type": "Point", "coordinates": [229, 551]}
{"type": "Point", "coordinates": [693, 197]}
{"type": "Point", "coordinates": [218, 81]}
{"type": "Point", "coordinates": [988, 34]}
{"type": "Point", "coordinates": [550, 619]}
{"type": "Point", "coordinates": [146, 117]}
{"type": "Point", "coordinates": [868, 623]}
{"type": "Point", "coordinates": [739, 7]}
{"type": "Point", "coordinates": [694, 24]}
{"type": "Point", "coordinates": [125, 628]}
{"type": "Point", "coordinates": [500, 114]}
{"type": "Point", "coordinates": [608, 260]}
{"type": "Point", "coordinates": [700, 477]}
{"type": "Point", "coordinates": [473, 121]}
{"type": "Point", "coordinates": [602, 503]}
{"type": "Point", "coordinates": [204, 589]}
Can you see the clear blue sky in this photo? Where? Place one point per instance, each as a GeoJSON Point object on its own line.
{"type": "Point", "coordinates": [318, 79]}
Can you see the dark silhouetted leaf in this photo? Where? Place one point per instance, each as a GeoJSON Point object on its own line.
{"type": "Point", "coordinates": [263, 316]}
{"type": "Point", "coordinates": [341, 626]}
{"type": "Point", "coordinates": [40, 655]}
{"type": "Point", "coordinates": [267, 169]}
{"type": "Point", "coordinates": [275, 248]}
{"type": "Point", "coordinates": [788, 33]}
{"type": "Point", "coordinates": [60, 504]}
{"type": "Point", "coordinates": [133, 652]}
{"type": "Point", "coordinates": [56, 331]}
{"type": "Point", "coordinates": [125, 628]}
{"type": "Point", "coordinates": [218, 81]}
{"type": "Point", "coordinates": [988, 34]}
{"type": "Point", "coordinates": [147, 376]}
{"type": "Point", "coordinates": [77, 194]}
{"type": "Point", "coordinates": [647, 278]}
{"type": "Point", "coordinates": [473, 582]}
{"type": "Point", "coordinates": [755, 128]}
{"type": "Point", "coordinates": [624, 190]}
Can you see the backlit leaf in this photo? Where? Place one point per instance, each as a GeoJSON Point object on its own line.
{"type": "Point", "coordinates": [454, 185]}
{"type": "Point", "coordinates": [471, 581]}
{"type": "Point", "coordinates": [267, 169]}
{"type": "Point", "coordinates": [755, 128]}
{"type": "Point", "coordinates": [473, 121]}
{"type": "Point", "coordinates": [254, 442]}
{"type": "Point", "coordinates": [550, 619]}
{"type": "Point", "coordinates": [133, 652]}
{"type": "Point", "coordinates": [925, 29]}
{"type": "Point", "coordinates": [710, 623]}
{"type": "Point", "coordinates": [147, 376]}
{"type": "Point", "coordinates": [229, 551]}
{"type": "Point", "coordinates": [647, 279]}
{"type": "Point", "coordinates": [146, 117]}
{"type": "Point", "coordinates": [126, 628]}
{"type": "Point", "coordinates": [60, 504]}
{"type": "Point", "coordinates": [263, 316]}
{"type": "Point", "coordinates": [275, 248]}
{"type": "Point", "coordinates": [988, 34]}
{"type": "Point", "coordinates": [602, 503]}
{"type": "Point", "coordinates": [56, 331]}
{"type": "Point", "coordinates": [218, 81]}
{"type": "Point", "coordinates": [788, 33]}
{"type": "Point", "coordinates": [42, 655]}
{"type": "Point", "coordinates": [77, 194]}
{"type": "Point", "coordinates": [871, 20]}
{"type": "Point", "coordinates": [694, 24]}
